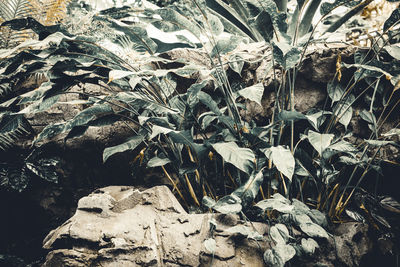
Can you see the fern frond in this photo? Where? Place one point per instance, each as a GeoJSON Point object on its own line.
{"type": "Point", "coordinates": [56, 11]}
{"type": "Point", "coordinates": [11, 9]}
{"type": "Point", "coordinates": [5, 89]}
{"type": "Point", "coordinates": [12, 127]}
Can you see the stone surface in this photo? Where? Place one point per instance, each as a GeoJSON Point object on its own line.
{"type": "Point", "coordinates": [122, 226]}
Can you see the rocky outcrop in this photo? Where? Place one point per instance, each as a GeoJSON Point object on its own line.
{"type": "Point", "coordinates": [122, 226]}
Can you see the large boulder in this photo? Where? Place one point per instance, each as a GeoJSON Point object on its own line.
{"type": "Point", "coordinates": [122, 226]}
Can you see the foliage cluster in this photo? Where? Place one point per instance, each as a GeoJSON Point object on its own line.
{"type": "Point", "coordinates": [197, 137]}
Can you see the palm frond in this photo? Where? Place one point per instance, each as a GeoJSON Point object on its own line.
{"type": "Point", "coordinates": [12, 127]}
{"type": "Point", "coordinates": [56, 11]}
{"type": "Point", "coordinates": [11, 9]}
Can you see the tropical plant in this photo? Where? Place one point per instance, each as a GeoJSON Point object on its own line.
{"type": "Point", "coordinates": [197, 136]}
{"type": "Point", "coordinates": [48, 12]}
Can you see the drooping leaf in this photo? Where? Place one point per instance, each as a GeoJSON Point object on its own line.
{"type": "Point", "coordinates": [129, 145]}
{"type": "Point", "coordinates": [392, 20]}
{"type": "Point", "coordinates": [276, 235]}
{"type": "Point", "coordinates": [309, 245]}
{"type": "Point", "coordinates": [279, 255]}
{"type": "Point", "coordinates": [379, 142]}
{"type": "Point", "coordinates": [280, 204]}
{"type": "Point", "coordinates": [158, 161]}
{"type": "Point", "coordinates": [241, 158]}
{"type": "Point", "coordinates": [253, 93]}
{"type": "Point", "coordinates": [335, 91]}
{"type": "Point", "coordinates": [236, 63]}
{"type": "Point", "coordinates": [392, 132]}
{"type": "Point", "coordinates": [12, 127]}
{"type": "Point", "coordinates": [240, 229]}
{"type": "Point", "coordinates": [248, 192]}
{"type": "Point", "coordinates": [344, 112]}
{"type": "Point", "coordinates": [393, 50]}
{"type": "Point", "coordinates": [282, 159]}
{"type": "Point", "coordinates": [228, 204]}
{"type": "Point", "coordinates": [313, 230]}
{"type": "Point", "coordinates": [286, 115]}
{"type": "Point", "coordinates": [208, 202]}
{"type": "Point", "coordinates": [320, 142]}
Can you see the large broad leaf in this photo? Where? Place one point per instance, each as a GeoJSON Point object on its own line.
{"type": "Point", "coordinates": [286, 115]}
{"type": "Point", "coordinates": [253, 93]}
{"type": "Point", "coordinates": [392, 20]}
{"type": "Point", "coordinates": [241, 158]}
{"type": "Point", "coordinates": [249, 190]}
{"type": "Point", "coordinates": [320, 142]}
{"type": "Point", "coordinates": [277, 202]}
{"type": "Point", "coordinates": [279, 255]}
{"type": "Point", "coordinates": [129, 145]}
{"type": "Point", "coordinates": [308, 245]}
{"type": "Point", "coordinates": [393, 50]}
{"type": "Point", "coordinates": [283, 160]}
{"type": "Point", "coordinates": [279, 233]}
{"type": "Point", "coordinates": [286, 55]}
{"type": "Point", "coordinates": [228, 204]}
{"type": "Point", "coordinates": [344, 112]}
{"type": "Point", "coordinates": [313, 230]}
{"type": "Point", "coordinates": [12, 127]}
{"type": "Point", "coordinates": [335, 91]}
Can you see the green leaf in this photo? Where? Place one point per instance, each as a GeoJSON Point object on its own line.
{"type": "Point", "coordinates": [216, 25]}
{"type": "Point", "coordinates": [344, 112]}
{"type": "Point", "coordinates": [309, 245]}
{"type": "Point", "coordinates": [317, 217]}
{"type": "Point", "coordinates": [393, 50]}
{"type": "Point", "coordinates": [241, 158]}
{"type": "Point", "coordinates": [12, 127]}
{"type": "Point", "coordinates": [207, 100]}
{"type": "Point", "coordinates": [279, 255]}
{"type": "Point", "coordinates": [286, 55]}
{"type": "Point", "coordinates": [278, 203]}
{"type": "Point", "coordinates": [313, 230]}
{"type": "Point", "coordinates": [119, 74]}
{"type": "Point", "coordinates": [392, 132]}
{"type": "Point", "coordinates": [248, 192]}
{"type": "Point", "coordinates": [286, 115]}
{"type": "Point", "coordinates": [279, 233]}
{"type": "Point", "coordinates": [208, 202]}
{"type": "Point", "coordinates": [282, 159]}
{"type": "Point", "coordinates": [317, 119]}
{"type": "Point", "coordinates": [379, 142]}
{"type": "Point", "coordinates": [236, 63]}
{"type": "Point", "coordinates": [157, 161]}
{"type": "Point", "coordinates": [228, 204]}
{"type": "Point", "coordinates": [335, 91]}
{"type": "Point", "coordinates": [129, 145]}
{"type": "Point", "coordinates": [343, 146]}
{"type": "Point", "coordinates": [253, 93]}
{"type": "Point", "coordinates": [320, 142]}
{"type": "Point", "coordinates": [392, 20]}
{"type": "Point", "coordinates": [240, 229]}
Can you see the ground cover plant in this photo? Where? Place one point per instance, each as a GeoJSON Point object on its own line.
{"type": "Point", "coordinates": [213, 157]}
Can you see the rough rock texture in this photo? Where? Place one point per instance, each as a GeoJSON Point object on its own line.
{"type": "Point", "coordinates": [352, 242]}
{"type": "Point", "coordinates": [122, 226]}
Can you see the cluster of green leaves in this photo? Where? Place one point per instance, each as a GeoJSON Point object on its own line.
{"type": "Point", "coordinates": [197, 136]}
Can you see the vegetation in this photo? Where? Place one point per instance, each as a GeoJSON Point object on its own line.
{"type": "Point", "coordinates": [213, 157]}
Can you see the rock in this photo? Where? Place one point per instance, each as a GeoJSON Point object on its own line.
{"type": "Point", "coordinates": [352, 243]}
{"type": "Point", "coordinates": [122, 226]}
